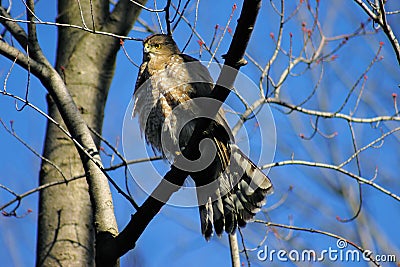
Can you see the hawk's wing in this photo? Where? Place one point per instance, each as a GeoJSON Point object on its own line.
{"type": "Point", "coordinates": [143, 75]}
{"type": "Point", "coordinates": [200, 74]}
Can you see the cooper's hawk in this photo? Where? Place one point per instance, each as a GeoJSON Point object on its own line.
{"type": "Point", "coordinates": [230, 189]}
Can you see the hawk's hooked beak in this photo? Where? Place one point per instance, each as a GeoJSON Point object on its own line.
{"type": "Point", "coordinates": [146, 49]}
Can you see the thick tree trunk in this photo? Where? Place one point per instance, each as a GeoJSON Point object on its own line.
{"type": "Point", "coordinates": [65, 228]}
{"type": "Point", "coordinates": [86, 62]}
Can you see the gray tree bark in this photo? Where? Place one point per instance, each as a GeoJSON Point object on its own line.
{"type": "Point", "coordinates": [86, 62]}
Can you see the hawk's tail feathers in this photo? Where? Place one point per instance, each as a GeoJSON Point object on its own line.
{"type": "Point", "coordinates": [240, 194]}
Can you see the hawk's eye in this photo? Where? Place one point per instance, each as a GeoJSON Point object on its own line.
{"type": "Point", "coordinates": [157, 46]}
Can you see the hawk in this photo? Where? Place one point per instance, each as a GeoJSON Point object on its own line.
{"type": "Point", "coordinates": [230, 189]}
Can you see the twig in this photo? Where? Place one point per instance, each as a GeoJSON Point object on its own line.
{"type": "Point", "coordinates": [176, 13]}
{"type": "Point", "coordinates": [37, 154]}
{"type": "Point", "coordinates": [194, 25]}
{"type": "Point", "coordinates": [194, 32]}
{"type": "Point", "coordinates": [356, 153]}
{"type": "Point", "coordinates": [357, 213]}
{"type": "Point", "coordinates": [361, 77]}
{"type": "Point", "coordinates": [37, 189]}
{"type": "Point", "coordinates": [121, 42]}
{"type": "Point", "coordinates": [8, 75]}
{"type": "Point", "coordinates": [92, 15]}
{"type": "Point", "coordinates": [244, 247]}
{"type": "Point", "coordinates": [17, 32]}
{"type": "Point", "coordinates": [326, 114]}
{"type": "Point", "coordinates": [28, 82]}
{"type": "Point", "coordinates": [222, 35]}
{"type": "Point", "coordinates": [147, 8]}
{"type": "Point", "coordinates": [380, 18]}
{"type": "Point", "coordinates": [86, 152]}
{"type": "Point", "coordinates": [332, 167]}
{"type": "Point", "coordinates": [181, 14]}
{"type": "Point", "coordinates": [19, 197]}
{"type": "Point", "coordinates": [66, 25]}
{"type": "Point", "coordinates": [81, 14]}
{"type": "Point", "coordinates": [158, 17]}
{"type": "Point", "coordinates": [267, 67]}
{"type": "Point", "coordinates": [146, 25]}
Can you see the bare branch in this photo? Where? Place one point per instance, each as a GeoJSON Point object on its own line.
{"type": "Point", "coordinates": [142, 6]}
{"type": "Point", "coordinates": [81, 14]}
{"type": "Point", "coordinates": [361, 77]}
{"type": "Point", "coordinates": [336, 168]}
{"type": "Point", "coordinates": [147, 27]}
{"type": "Point", "coordinates": [66, 25]}
{"type": "Point", "coordinates": [265, 71]}
{"type": "Point", "coordinates": [21, 59]}
{"type": "Point", "coordinates": [356, 153]}
{"type": "Point", "coordinates": [222, 35]}
{"type": "Point", "coordinates": [13, 133]}
{"type": "Point", "coordinates": [17, 32]}
{"type": "Point", "coordinates": [181, 14]}
{"type": "Point", "coordinates": [366, 9]}
{"type": "Point", "coordinates": [37, 189]}
{"type": "Point", "coordinates": [158, 16]}
{"type": "Point", "coordinates": [326, 114]}
{"type": "Point", "coordinates": [82, 149]}
{"type": "Point", "coordinates": [380, 18]}
{"type": "Point", "coordinates": [33, 43]}
{"type": "Point", "coordinates": [193, 29]}
{"type": "Point", "coordinates": [360, 202]}
{"type": "Point", "coordinates": [19, 197]}
{"type": "Point", "coordinates": [167, 19]}
{"type": "Point", "coordinates": [244, 247]}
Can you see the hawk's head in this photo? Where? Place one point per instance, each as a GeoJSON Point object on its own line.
{"type": "Point", "coordinates": [159, 45]}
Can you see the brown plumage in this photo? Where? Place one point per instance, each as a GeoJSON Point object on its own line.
{"type": "Point", "coordinates": [231, 189]}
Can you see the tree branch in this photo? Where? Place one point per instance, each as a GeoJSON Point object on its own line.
{"type": "Point", "coordinates": [167, 19]}
{"type": "Point", "coordinates": [16, 31]}
{"type": "Point", "coordinates": [67, 25]}
{"type": "Point", "coordinates": [326, 114]}
{"type": "Point", "coordinates": [380, 18]}
{"type": "Point", "coordinates": [336, 168]}
{"type": "Point", "coordinates": [33, 43]}
{"type": "Point", "coordinates": [13, 53]}
{"type": "Point", "coordinates": [19, 197]}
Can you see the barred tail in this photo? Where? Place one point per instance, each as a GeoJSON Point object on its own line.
{"type": "Point", "coordinates": [234, 200]}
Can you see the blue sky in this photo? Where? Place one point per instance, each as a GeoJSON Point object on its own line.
{"type": "Point", "coordinates": [315, 201]}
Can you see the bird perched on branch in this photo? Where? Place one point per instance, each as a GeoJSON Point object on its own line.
{"type": "Point", "coordinates": [230, 188]}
